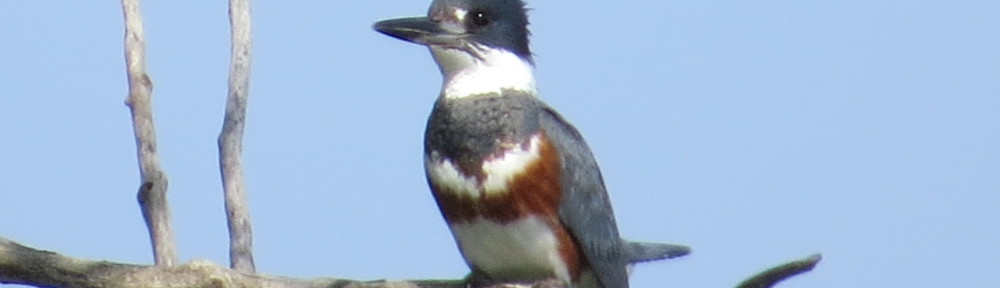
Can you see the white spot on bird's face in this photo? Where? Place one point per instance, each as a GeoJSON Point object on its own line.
{"type": "Point", "coordinates": [482, 70]}
{"type": "Point", "coordinates": [499, 171]}
{"type": "Point", "coordinates": [523, 249]}
{"type": "Point", "coordinates": [453, 22]}
{"type": "Point", "coordinates": [459, 14]}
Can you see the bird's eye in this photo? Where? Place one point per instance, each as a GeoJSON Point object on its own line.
{"type": "Point", "coordinates": [479, 18]}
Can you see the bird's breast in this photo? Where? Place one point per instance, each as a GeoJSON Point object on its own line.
{"type": "Point", "coordinates": [523, 249]}
{"type": "Point", "coordinates": [506, 221]}
{"type": "Point", "coordinates": [522, 180]}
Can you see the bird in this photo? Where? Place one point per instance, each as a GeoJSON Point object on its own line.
{"type": "Point", "coordinates": [516, 183]}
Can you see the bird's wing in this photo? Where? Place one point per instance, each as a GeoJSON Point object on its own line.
{"type": "Point", "coordinates": [585, 208]}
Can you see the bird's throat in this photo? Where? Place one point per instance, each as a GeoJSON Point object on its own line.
{"type": "Point", "coordinates": [482, 70]}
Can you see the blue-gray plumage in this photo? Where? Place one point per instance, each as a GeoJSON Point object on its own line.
{"type": "Point", "coordinates": [517, 184]}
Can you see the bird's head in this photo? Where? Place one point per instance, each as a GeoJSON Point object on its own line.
{"type": "Point", "coordinates": [481, 46]}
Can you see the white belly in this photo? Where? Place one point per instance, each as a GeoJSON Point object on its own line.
{"type": "Point", "coordinates": [521, 250]}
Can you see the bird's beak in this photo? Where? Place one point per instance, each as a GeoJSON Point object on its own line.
{"type": "Point", "coordinates": [420, 30]}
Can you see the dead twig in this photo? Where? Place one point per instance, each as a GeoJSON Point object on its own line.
{"type": "Point", "coordinates": [231, 140]}
{"type": "Point", "coordinates": [152, 194]}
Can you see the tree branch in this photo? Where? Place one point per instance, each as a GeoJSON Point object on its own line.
{"type": "Point", "coordinates": [24, 265]}
{"type": "Point", "coordinates": [779, 273]}
{"type": "Point", "coordinates": [152, 194]}
{"type": "Point", "coordinates": [231, 140]}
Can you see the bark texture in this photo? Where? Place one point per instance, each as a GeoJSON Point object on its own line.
{"type": "Point", "coordinates": [231, 140]}
{"type": "Point", "coordinates": [152, 195]}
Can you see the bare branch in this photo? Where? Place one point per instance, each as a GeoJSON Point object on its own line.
{"type": "Point", "coordinates": [23, 265]}
{"type": "Point", "coordinates": [152, 194]}
{"type": "Point", "coordinates": [231, 140]}
{"type": "Point", "coordinates": [772, 276]}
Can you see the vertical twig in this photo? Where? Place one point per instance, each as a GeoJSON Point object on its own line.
{"type": "Point", "coordinates": [153, 190]}
{"type": "Point", "coordinates": [231, 140]}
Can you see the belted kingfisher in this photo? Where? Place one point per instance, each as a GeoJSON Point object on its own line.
{"type": "Point", "coordinates": [516, 183]}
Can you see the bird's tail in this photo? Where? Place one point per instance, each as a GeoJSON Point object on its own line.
{"type": "Point", "coordinates": [644, 251]}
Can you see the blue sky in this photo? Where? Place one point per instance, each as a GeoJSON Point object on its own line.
{"type": "Point", "coordinates": [755, 132]}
